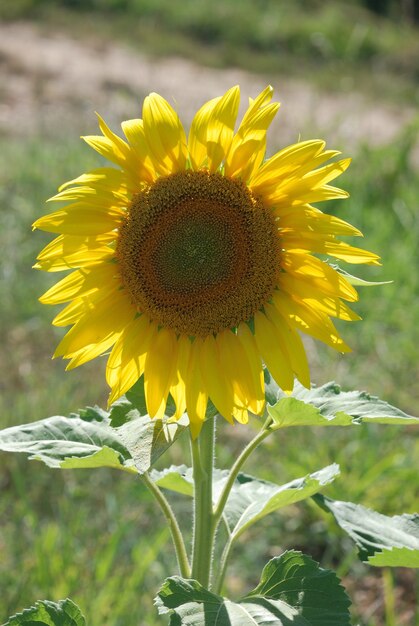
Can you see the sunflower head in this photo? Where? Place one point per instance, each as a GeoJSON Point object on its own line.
{"type": "Point", "coordinates": [196, 262]}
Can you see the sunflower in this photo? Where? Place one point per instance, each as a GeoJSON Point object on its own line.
{"type": "Point", "coordinates": [193, 259]}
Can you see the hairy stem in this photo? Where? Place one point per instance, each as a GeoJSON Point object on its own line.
{"type": "Point", "coordinates": [179, 544]}
{"type": "Point", "coordinates": [203, 535]}
{"type": "Point", "coordinates": [243, 456]}
{"type": "Point", "coordinates": [218, 585]}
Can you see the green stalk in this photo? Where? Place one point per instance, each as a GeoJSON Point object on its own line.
{"type": "Point", "coordinates": [177, 538]}
{"type": "Point", "coordinates": [243, 456]}
{"type": "Point", "coordinates": [223, 566]}
{"type": "Point", "coordinates": [203, 532]}
{"type": "Point", "coordinates": [389, 604]}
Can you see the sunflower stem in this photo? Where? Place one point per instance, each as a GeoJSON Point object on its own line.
{"type": "Point", "coordinates": [177, 538]}
{"type": "Point", "coordinates": [203, 532]}
{"type": "Point", "coordinates": [223, 566]}
{"type": "Point", "coordinates": [236, 467]}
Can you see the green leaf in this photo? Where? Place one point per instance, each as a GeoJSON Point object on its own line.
{"type": "Point", "coordinates": [330, 406]}
{"type": "Point", "coordinates": [382, 540]}
{"type": "Point", "coordinates": [105, 457]}
{"type": "Point", "coordinates": [395, 557]}
{"type": "Point", "coordinates": [250, 498]}
{"type": "Point", "coordinates": [44, 612]}
{"type": "Point", "coordinates": [293, 591]}
{"type": "Point", "coordinates": [80, 441]}
{"type": "Point", "coordinates": [179, 478]}
{"type": "Point", "coordinates": [298, 580]}
{"type": "Point", "coordinates": [147, 439]}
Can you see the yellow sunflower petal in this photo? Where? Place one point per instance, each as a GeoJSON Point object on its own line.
{"type": "Point", "coordinates": [158, 371]}
{"type": "Point", "coordinates": [134, 132]}
{"type": "Point", "coordinates": [314, 298]}
{"type": "Point", "coordinates": [313, 242]}
{"type": "Point", "coordinates": [241, 415]}
{"type": "Point", "coordinates": [304, 267]}
{"type": "Point", "coordinates": [249, 144]}
{"type": "Point", "coordinates": [69, 252]}
{"type": "Point", "coordinates": [312, 321]}
{"type": "Point", "coordinates": [108, 178]}
{"type": "Point", "coordinates": [90, 352]}
{"type": "Point", "coordinates": [178, 385]}
{"type": "Point", "coordinates": [245, 375]}
{"type": "Point", "coordinates": [212, 130]}
{"type": "Point", "coordinates": [127, 360]}
{"type": "Point", "coordinates": [270, 347]}
{"type": "Point", "coordinates": [291, 344]}
{"type": "Point", "coordinates": [196, 391]}
{"type": "Point", "coordinates": [310, 219]}
{"type": "Point", "coordinates": [97, 324]}
{"type": "Point", "coordinates": [219, 387]}
{"type": "Point", "coordinates": [165, 136]}
{"type": "Point", "coordinates": [285, 162]}
{"type": "Point", "coordinates": [79, 283]}
{"type": "Point", "coordinates": [81, 219]}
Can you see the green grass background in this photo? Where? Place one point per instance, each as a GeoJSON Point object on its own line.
{"type": "Point", "coordinates": [96, 537]}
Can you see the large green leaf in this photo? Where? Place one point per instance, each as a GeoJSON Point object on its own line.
{"type": "Point", "coordinates": [298, 580]}
{"type": "Point", "coordinates": [83, 440]}
{"type": "Point", "coordinates": [46, 613]}
{"type": "Point", "coordinates": [382, 540]}
{"type": "Point", "coordinates": [328, 405]}
{"type": "Point", "coordinates": [147, 439]}
{"type": "Point", "coordinates": [293, 591]}
{"type": "Point", "coordinates": [88, 440]}
{"type": "Point", "coordinates": [250, 498]}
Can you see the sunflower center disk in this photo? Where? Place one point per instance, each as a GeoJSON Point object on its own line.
{"type": "Point", "coordinates": [198, 252]}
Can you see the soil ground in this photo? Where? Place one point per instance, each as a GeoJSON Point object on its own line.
{"type": "Point", "coordinates": [51, 81]}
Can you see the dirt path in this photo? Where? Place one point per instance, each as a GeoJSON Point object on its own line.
{"type": "Point", "coordinates": [49, 81]}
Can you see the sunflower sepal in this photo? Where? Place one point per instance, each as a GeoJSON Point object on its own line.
{"type": "Point", "coordinates": [356, 281]}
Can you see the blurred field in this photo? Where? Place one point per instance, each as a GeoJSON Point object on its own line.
{"type": "Point", "coordinates": [342, 73]}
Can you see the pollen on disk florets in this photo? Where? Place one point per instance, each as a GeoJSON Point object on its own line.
{"type": "Point", "coordinates": [198, 252]}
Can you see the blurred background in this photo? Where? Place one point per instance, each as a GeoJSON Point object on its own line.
{"type": "Point", "coordinates": [346, 71]}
